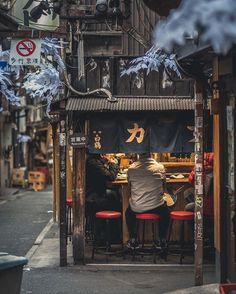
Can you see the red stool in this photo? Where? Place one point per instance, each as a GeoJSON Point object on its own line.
{"type": "Point", "coordinates": [182, 216]}
{"type": "Point", "coordinates": [227, 288]}
{"type": "Point", "coordinates": [68, 219]}
{"type": "Point", "coordinates": [142, 218]}
{"type": "Point", "coordinates": [107, 216]}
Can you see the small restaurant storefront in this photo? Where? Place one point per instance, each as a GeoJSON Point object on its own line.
{"type": "Point", "coordinates": [162, 126]}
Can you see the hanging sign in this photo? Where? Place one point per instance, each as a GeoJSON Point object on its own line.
{"type": "Point", "coordinates": [36, 14]}
{"type": "Point", "coordinates": [25, 52]}
{"type": "Point", "coordinates": [78, 140]}
{"type": "Point", "coordinates": [140, 134]}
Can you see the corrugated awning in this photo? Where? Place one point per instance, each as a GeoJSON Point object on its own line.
{"type": "Point", "coordinates": [7, 23]}
{"type": "Point", "coordinates": [158, 103]}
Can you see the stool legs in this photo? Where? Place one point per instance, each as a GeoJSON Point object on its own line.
{"type": "Point", "coordinates": [153, 240]}
{"type": "Point", "coordinates": [107, 245]}
{"type": "Point", "coordinates": [108, 241]}
{"type": "Point", "coordinates": [94, 240]}
{"type": "Point", "coordinates": [68, 222]}
{"type": "Point", "coordinates": [143, 222]}
{"type": "Point", "coordinates": [143, 237]}
{"type": "Point", "coordinates": [182, 242]}
{"type": "Point", "coordinates": [169, 233]}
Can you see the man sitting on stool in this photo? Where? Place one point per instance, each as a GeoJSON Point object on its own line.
{"type": "Point", "coordinates": [147, 179]}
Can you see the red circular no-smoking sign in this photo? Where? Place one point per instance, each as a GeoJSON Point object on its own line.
{"type": "Point", "coordinates": [25, 47]}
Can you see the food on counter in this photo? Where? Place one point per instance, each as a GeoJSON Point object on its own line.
{"type": "Point", "coordinates": [179, 176]}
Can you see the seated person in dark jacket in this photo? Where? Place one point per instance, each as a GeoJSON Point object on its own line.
{"type": "Point", "coordinates": [101, 169]}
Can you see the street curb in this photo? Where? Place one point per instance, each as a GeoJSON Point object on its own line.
{"type": "Point", "coordinates": [39, 239]}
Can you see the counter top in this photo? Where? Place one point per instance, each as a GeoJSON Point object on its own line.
{"type": "Point", "coordinates": [124, 181]}
{"type": "Point", "coordinates": [177, 164]}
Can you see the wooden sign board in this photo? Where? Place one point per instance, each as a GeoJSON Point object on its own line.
{"type": "Point", "coordinates": [78, 140]}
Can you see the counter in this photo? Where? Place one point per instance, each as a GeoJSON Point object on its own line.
{"type": "Point", "coordinates": [175, 184]}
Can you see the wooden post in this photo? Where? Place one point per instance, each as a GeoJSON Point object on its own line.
{"type": "Point", "coordinates": [54, 181]}
{"type": "Point", "coordinates": [62, 218]}
{"type": "Point", "coordinates": [222, 189]}
{"type": "Point", "coordinates": [219, 147]}
{"type": "Point", "coordinates": [199, 187]}
{"type": "Point", "coordinates": [79, 205]}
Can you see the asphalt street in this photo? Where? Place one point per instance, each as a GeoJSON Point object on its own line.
{"type": "Point", "coordinates": [25, 215]}
{"type": "Point", "coordinates": [76, 280]}
{"type": "Point", "coordinates": [22, 217]}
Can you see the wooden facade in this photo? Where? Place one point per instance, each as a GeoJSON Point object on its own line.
{"type": "Point", "coordinates": [97, 55]}
{"type": "Point", "coordinates": [105, 72]}
{"type": "Point", "coordinates": [223, 112]}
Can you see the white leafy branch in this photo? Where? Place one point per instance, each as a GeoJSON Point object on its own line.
{"type": "Point", "coordinates": [21, 138]}
{"type": "Point", "coordinates": [51, 47]}
{"type": "Point", "coordinates": [213, 20]}
{"type": "Point", "coordinates": [6, 90]}
{"type": "Point", "coordinates": [154, 59]}
{"type": "Point", "coordinates": [44, 83]}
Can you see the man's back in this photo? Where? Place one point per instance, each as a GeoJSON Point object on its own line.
{"type": "Point", "coordinates": [146, 179]}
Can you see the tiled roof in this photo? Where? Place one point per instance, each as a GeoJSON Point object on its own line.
{"type": "Point", "coordinates": [130, 103]}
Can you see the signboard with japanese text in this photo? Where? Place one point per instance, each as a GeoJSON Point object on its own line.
{"type": "Point", "coordinates": [137, 134]}
{"type": "Point", "coordinates": [133, 135]}
{"type": "Point", "coordinates": [78, 140]}
{"type": "Point", "coordinates": [25, 52]}
{"type": "Point", "coordinates": [104, 136]}
{"type": "Point", "coordinates": [36, 14]}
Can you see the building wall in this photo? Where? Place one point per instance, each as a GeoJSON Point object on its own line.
{"type": "Point", "coordinates": [106, 73]}
{"type": "Point", "coordinates": [141, 21]}
{"type": "Point", "coordinates": [5, 152]}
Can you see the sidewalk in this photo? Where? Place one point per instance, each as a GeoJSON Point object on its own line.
{"type": "Point", "coordinates": [43, 275]}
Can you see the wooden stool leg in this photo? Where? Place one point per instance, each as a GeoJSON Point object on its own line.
{"type": "Point", "coordinates": [67, 223]}
{"type": "Point", "coordinates": [169, 232]}
{"type": "Point", "coordinates": [153, 241]}
{"type": "Point", "coordinates": [182, 242]}
{"type": "Point", "coordinates": [95, 239]}
{"type": "Point", "coordinates": [143, 238]}
{"type": "Point", "coordinates": [70, 222]}
{"type": "Point", "coordinates": [108, 239]}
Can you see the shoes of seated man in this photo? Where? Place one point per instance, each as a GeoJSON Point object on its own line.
{"type": "Point", "coordinates": [132, 244]}
{"type": "Point", "coordinates": [157, 244]}
{"type": "Point", "coordinates": [160, 244]}
{"type": "Point", "coordinates": [163, 243]}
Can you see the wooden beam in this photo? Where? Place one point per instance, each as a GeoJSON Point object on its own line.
{"type": "Point", "coordinates": [54, 177]}
{"type": "Point", "coordinates": [199, 187]}
{"type": "Point", "coordinates": [216, 165]}
{"type": "Point", "coordinates": [79, 205]}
